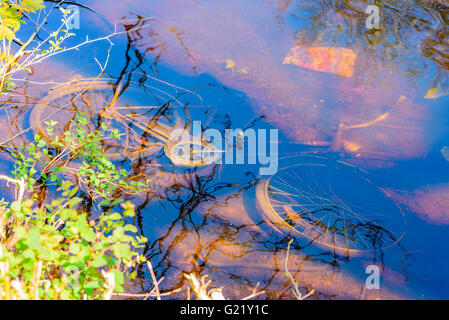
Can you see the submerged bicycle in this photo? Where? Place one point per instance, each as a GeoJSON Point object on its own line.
{"type": "Point", "coordinates": [331, 203]}
{"type": "Point", "coordinates": [145, 129]}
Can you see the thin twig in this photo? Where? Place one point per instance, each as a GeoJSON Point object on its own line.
{"type": "Point", "coordinates": [146, 295]}
{"type": "Point", "coordinates": [20, 183]}
{"type": "Point", "coordinates": [296, 292]}
{"type": "Point", "coordinates": [153, 277]}
{"type": "Point", "coordinates": [255, 293]}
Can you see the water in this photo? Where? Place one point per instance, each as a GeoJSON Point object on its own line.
{"type": "Point", "coordinates": [221, 63]}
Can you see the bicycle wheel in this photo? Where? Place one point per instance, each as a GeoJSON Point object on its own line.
{"type": "Point", "coordinates": [332, 204]}
{"type": "Point", "coordinates": [191, 152]}
{"type": "Point", "coordinates": [144, 116]}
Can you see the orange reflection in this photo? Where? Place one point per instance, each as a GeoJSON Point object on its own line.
{"type": "Point", "coordinates": [234, 255]}
{"type": "Point", "coordinates": [338, 61]}
{"type": "Point", "coordinates": [430, 203]}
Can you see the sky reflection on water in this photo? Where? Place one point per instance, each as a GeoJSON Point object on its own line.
{"type": "Point", "coordinates": [208, 219]}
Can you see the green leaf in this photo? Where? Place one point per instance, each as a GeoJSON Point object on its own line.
{"type": "Point", "coordinates": [34, 239]}
{"type": "Point", "coordinates": [122, 251]}
{"type": "Point", "coordinates": [41, 144]}
{"type": "Point", "coordinates": [75, 248]}
{"type": "Point", "coordinates": [93, 284]}
{"type": "Point", "coordinates": [119, 278]}
{"type": "Point", "coordinates": [99, 261]}
{"type": "Point", "coordinates": [105, 202]}
{"type": "Point", "coordinates": [115, 216]}
{"type": "Point", "coordinates": [31, 5]}
{"type": "Point", "coordinates": [74, 201]}
{"type": "Point", "coordinates": [131, 228]}
{"type": "Point", "coordinates": [7, 33]}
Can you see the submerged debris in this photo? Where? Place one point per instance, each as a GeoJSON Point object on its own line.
{"type": "Point", "coordinates": [339, 61]}
{"type": "Point", "coordinates": [435, 93]}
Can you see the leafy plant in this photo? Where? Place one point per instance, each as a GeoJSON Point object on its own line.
{"type": "Point", "coordinates": [57, 252]}
{"type": "Point", "coordinates": [20, 54]}
{"type": "Point", "coordinates": [56, 249]}
{"type": "Point", "coordinates": [77, 153]}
